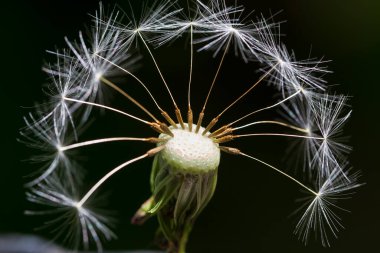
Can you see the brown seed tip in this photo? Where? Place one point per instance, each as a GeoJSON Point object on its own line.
{"type": "Point", "coordinates": [155, 150]}
{"type": "Point", "coordinates": [226, 138]}
{"type": "Point", "coordinates": [229, 150]}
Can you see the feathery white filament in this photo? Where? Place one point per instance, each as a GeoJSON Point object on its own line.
{"type": "Point", "coordinates": [105, 177]}
{"type": "Point", "coordinates": [283, 135]}
{"type": "Point", "coordinates": [266, 108]}
{"type": "Point", "coordinates": [319, 214]}
{"type": "Point", "coordinates": [272, 122]}
{"type": "Point", "coordinates": [135, 77]}
{"type": "Point", "coordinates": [108, 108]}
{"type": "Point", "coordinates": [92, 142]}
{"type": "Point", "coordinates": [281, 172]}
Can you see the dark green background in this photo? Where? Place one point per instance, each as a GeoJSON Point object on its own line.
{"type": "Point", "coordinates": [251, 205]}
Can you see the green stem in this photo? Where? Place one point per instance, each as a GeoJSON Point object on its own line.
{"type": "Point", "coordinates": [184, 238]}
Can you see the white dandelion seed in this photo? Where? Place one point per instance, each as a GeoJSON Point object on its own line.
{"type": "Point", "coordinates": [323, 119]}
{"type": "Point", "coordinates": [320, 214]}
{"type": "Point", "coordinates": [91, 68]}
{"type": "Point", "coordinates": [198, 22]}
{"type": "Point", "coordinates": [64, 83]}
{"type": "Point", "coordinates": [289, 74]}
{"type": "Point", "coordinates": [187, 150]}
{"type": "Point", "coordinates": [49, 136]}
{"type": "Point", "coordinates": [63, 206]}
{"type": "Point", "coordinates": [330, 118]}
{"type": "Point", "coordinates": [154, 19]}
{"type": "Point", "coordinates": [225, 26]}
{"type": "Point", "coordinates": [300, 114]}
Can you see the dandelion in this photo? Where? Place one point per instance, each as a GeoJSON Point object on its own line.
{"type": "Point", "coordinates": [187, 148]}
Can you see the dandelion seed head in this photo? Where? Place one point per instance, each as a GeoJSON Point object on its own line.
{"type": "Point", "coordinates": [187, 149]}
{"type": "Point", "coordinates": [191, 152]}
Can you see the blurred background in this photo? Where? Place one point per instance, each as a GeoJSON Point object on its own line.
{"type": "Point", "coordinates": [251, 207]}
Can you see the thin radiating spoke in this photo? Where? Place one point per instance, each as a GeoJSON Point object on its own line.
{"type": "Point", "coordinates": [136, 78]}
{"type": "Point", "coordinates": [158, 69]}
{"type": "Point", "coordinates": [113, 171]}
{"type": "Point", "coordinates": [274, 123]}
{"type": "Point", "coordinates": [281, 172]}
{"type": "Point", "coordinates": [129, 97]}
{"type": "Point", "coordinates": [248, 91]}
{"type": "Point", "coordinates": [108, 108]}
{"type": "Point", "coordinates": [279, 134]}
{"type": "Point", "coordinates": [104, 140]}
{"type": "Point", "coordinates": [266, 108]}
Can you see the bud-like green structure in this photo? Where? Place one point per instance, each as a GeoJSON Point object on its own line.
{"type": "Point", "coordinates": [183, 180]}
